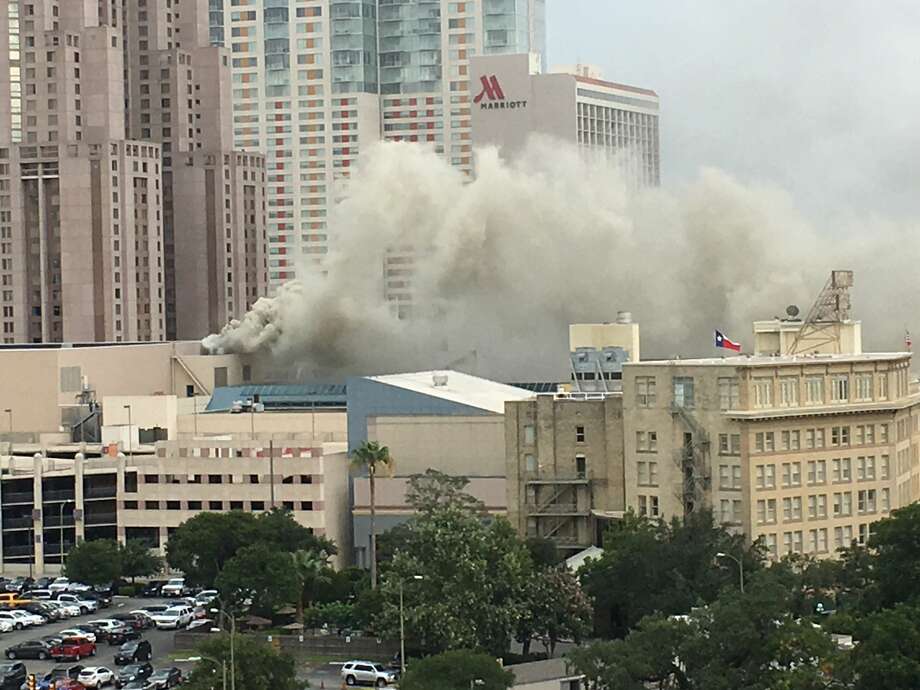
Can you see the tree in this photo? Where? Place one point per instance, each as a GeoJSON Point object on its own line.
{"type": "Point", "coordinates": [433, 489]}
{"type": "Point", "coordinates": [258, 665]}
{"type": "Point", "coordinates": [473, 577]}
{"type": "Point", "coordinates": [555, 608]}
{"type": "Point", "coordinates": [895, 542]}
{"type": "Point", "coordinates": [260, 573]}
{"type": "Point", "coordinates": [310, 568]}
{"type": "Point", "coordinates": [278, 527]}
{"type": "Point", "coordinates": [888, 653]}
{"type": "Point", "coordinates": [370, 456]}
{"type": "Point", "coordinates": [457, 670]}
{"type": "Point", "coordinates": [543, 552]}
{"type": "Point", "coordinates": [136, 560]}
{"type": "Point", "coordinates": [202, 545]}
{"type": "Point", "coordinates": [93, 562]}
{"type": "Point", "coordinates": [650, 566]}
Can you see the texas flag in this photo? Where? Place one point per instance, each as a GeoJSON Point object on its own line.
{"type": "Point", "coordinates": [722, 341]}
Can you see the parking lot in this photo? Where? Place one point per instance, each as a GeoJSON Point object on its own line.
{"type": "Point", "coordinates": [161, 641]}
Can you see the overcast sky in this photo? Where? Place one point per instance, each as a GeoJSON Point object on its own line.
{"type": "Point", "coordinates": [819, 97]}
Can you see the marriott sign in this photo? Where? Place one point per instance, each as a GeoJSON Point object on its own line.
{"type": "Point", "coordinates": [492, 97]}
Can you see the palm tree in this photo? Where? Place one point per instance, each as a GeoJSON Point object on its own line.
{"type": "Point", "coordinates": [311, 568]}
{"type": "Point", "coordinates": [368, 457]}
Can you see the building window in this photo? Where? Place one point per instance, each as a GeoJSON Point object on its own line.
{"type": "Point", "coordinates": [840, 388]}
{"type": "Point", "coordinates": [172, 505]}
{"type": "Point", "coordinates": [765, 476]}
{"type": "Point", "coordinates": [863, 387]}
{"type": "Point", "coordinates": [792, 509]}
{"type": "Point", "coordinates": [843, 504]}
{"type": "Point", "coordinates": [215, 505]}
{"type": "Point", "coordinates": [645, 391]}
{"type": "Point", "coordinates": [530, 462]}
{"type": "Point", "coordinates": [764, 442]}
{"type": "Point", "coordinates": [215, 479]}
{"type": "Point", "coordinates": [788, 391]}
{"type": "Point", "coordinates": [843, 537]}
{"type": "Point", "coordinates": [131, 482]}
{"type": "Point", "coordinates": [529, 434]}
{"type": "Point", "coordinates": [257, 505]}
{"type": "Point", "coordinates": [194, 505]}
{"type": "Point", "coordinates": [683, 391]}
{"type": "Point", "coordinates": [840, 436]}
{"type": "Point", "coordinates": [579, 434]}
{"type": "Point", "coordinates": [151, 505]}
{"type": "Point", "coordinates": [763, 392]}
{"type": "Point", "coordinates": [728, 393]}
{"type": "Point", "coordinates": [236, 505]}
{"type": "Point", "coordinates": [814, 390]}
{"type": "Point", "coordinates": [792, 474]}
{"type": "Point", "coordinates": [581, 467]}
{"type": "Point", "coordinates": [883, 387]}
{"type": "Point", "coordinates": [646, 442]}
{"type": "Point", "coordinates": [130, 505]}
{"type": "Point", "coordinates": [729, 477]}
{"type": "Point", "coordinates": [789, 440]}
{"type": "Point", "coordinates": [841, 470]}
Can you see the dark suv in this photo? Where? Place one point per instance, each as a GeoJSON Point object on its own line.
{"type": "Point", "coordinates": [133, 652]}
{"type": "Point", "coordinates": [133, 672]}
{"type": "Point", "coordinates": [12, 675]}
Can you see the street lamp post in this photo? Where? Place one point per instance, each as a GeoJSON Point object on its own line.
{"type": "Point", "coordinates": [61, 529]}
{"type": "Point", "coordinates": [402, 626]}
{"type": "Point", "coordinates": [223, 665]}
{"type": "Point", "coordinates": [130, 439]}
{"type": "Point", "coordinates": [740, 563]}
{"type": "Point", "coordinates": [232, 619]}
{"type": "Point", "coordinates": [9, 411]}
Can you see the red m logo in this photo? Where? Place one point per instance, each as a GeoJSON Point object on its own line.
{"type": "Point", "coordinates": [491, 89]}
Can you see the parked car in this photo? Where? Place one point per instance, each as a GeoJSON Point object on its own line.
{"type": "Point", "coordinates": [132, 672]}
{"type": "Point", "coordinates": [32, 649]}
{"type": "Point", "coordinates": [76, 632]}
{"type": "Point", "coordinates": [165, 678]}
{"type": "Point", "coordinates": [61, 675]}
{"type": "Point", "coordinates": [152, 588]}
{"type": "Point", "coordinates": [66, 610]}
{"type": "Point", "coordinates": [173, 618]}
{"type": "Point", "coordinates": [12, 675]}
{"type": "Point", "coordinates": [85, 604]}
{"type": "Point", "coordinates": [151, 609]}
{"type": "Point", "coordinates": [20, 584]}
{"type": "Point", "coordinates": [12, 600]}
{"type": "Point", "coordinates": [201, 625]}
{"type": "Point", "coordinates": [75, 648]}
{"type": "Point", "coordinates": [40, 608]}
{"type": "Point", "coordinates": [100, 633]}
{"type": "Point", "coordinates": [133, 652]}
{"type": "Point", "coordinates": [140, 684]}
{"type": "Point", "coordinates": [123, 634]}
{"type": "Point", "coordinates": [38, 594]}
{"type": "Point", "coordinates": [43, 582]}
{"type": "Point", "coordinates": [206, 596]}
{"type": "Point", "coordinates": [174, 588]}
{"type": "Point", "coordinates": [9, 618]}
{"type": "Point", "coordinates": [59, 585]}
{"type": "Point", "coordinates": [96, 676]}
{"type": "Point", "coordinates": [102, 600]}
{"type": "Point", "coordinates": [368, 673]}
{"type": "Point", "coordinates": [6, 626]}
{"type": "Point", "coordinates": [134, 620]}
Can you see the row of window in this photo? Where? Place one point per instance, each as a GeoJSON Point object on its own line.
{"type": "Point", "coordinates": [794, 541]}
{"type": "Point", "coordinates": [212, 505]}
{"type": "Point", "coordinates": [867, 469]}
{"type": "Point", "coordinates": [807, 439]}
{"type": "Point", "coordinates": [868, 501]}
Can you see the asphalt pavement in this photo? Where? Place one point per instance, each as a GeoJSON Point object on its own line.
{"type": "Point", "coordinates": [161, 641]}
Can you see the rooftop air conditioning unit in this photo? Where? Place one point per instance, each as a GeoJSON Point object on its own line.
{"type": "Point", "coordinates": [439, 380]}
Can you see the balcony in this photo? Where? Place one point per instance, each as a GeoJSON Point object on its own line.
{"type": "Point", "coordinates": [101, 519]}
{"type": "Point", "coordinates": [556, 509]}
{"type": "Point", "coordinates": [556, 478]}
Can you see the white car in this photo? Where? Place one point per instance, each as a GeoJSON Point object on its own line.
{"type": "Point", "coordinates": [84, 604]}
{"type": "Point", "coordinates": [174, 588]}
{"type": "Point", "coordinates": [206, 596]}
{"type": "Point", "coordinates": [25, 619]}
{"type": "Point", "coordinates": [59, 585]}
{"type": "Point", "coordinates": [73, 632]}
{"type": "Point", "coordinates": [96, 676]}
{"type": "Point", "coordinates": [8, 618]}
{"type": "Point", "coordinates": [67, 610]}
{"type": "Point", "coordinates": [40, 594]}
{"type": "Point", "coordinates": [367, 673]}
{"type": "Point", "coordinates": [108, 624]}
{"type": "Point", "coordinates": [6, 626]}
{"type": "Point", "coordinates": [173, 618]}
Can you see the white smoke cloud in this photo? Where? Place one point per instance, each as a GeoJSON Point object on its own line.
{"type": "Point", "coordinates": [508, 260]}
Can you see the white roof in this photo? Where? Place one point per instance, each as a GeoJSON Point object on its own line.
{"type": "Point", "coordinates": [460, 388]}
{"type": "Point", "coordinates": [575, 562]}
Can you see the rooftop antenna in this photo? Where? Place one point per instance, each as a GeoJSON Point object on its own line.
{"type": "Point", "coordinates": [830, 310]}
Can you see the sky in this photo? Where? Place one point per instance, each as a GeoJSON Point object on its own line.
{"type": "Point", "coordinates": [816, 97]}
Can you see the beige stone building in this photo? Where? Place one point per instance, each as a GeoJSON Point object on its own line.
{"type": "Point", "coordinates": [145, 495]}
{"type": "Point", "coordinates": [804, 452]}
{"type": "Point", "coordinates": [564, 466]}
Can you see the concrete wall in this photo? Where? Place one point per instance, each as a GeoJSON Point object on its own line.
{"type": "Point", "coordinates": [471, 446]}
{"type": "Point", "coordinates": [328, 425]}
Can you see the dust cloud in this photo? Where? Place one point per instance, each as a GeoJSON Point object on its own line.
{"type": "Point", "coordinates": [505, 262]}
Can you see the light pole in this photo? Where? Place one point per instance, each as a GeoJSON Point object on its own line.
{"type": "Point", "coordinates": [224, 614]}
{"type": "Point", "coordinates": [61, 529]}
{"type": "Point", "coordinates": [9, 411]}
{"type": "Point", "coordinates": [130, 439]}
{"type": "Point", "coordinates": [740, 566]}
{"type": "Point", "coordinates": [223, 665]}
{"type": "Point", "coordinates": [252, 417]}
{"type": "Point", "coordinates": [402, 626]}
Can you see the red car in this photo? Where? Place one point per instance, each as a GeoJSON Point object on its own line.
{"type": "Point", "coordinates": [75, 648]}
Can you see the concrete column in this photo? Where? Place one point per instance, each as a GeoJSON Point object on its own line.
{"type": "Point", "coordinates": [38, 524]}
{"type": "Point", "coordinates": [79, 504]}
{"type": "Point", "coordinates": [120, 464]}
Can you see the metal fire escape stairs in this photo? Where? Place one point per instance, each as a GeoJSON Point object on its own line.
{"type": "Point", "coordinates": [693, 460]}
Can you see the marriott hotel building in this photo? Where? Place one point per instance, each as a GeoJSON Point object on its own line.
{"type": "Point", "coordinates": [513, 99]}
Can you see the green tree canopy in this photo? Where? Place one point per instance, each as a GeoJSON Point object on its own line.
{"type": "Point", "coordinates": [136, 559]}
{"type": "Point", "coordinates": [652, 566]}
{"type": "Point", "coordinates": [258, 665]}
{"type": "Point", "coordinates": [261, 574]}
{"type": "Point", "coordinates": [457, 670]}
{"type": "Point", "coordinates": [93, 562]}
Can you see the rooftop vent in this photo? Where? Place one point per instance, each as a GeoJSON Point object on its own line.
{"type": "Point", "coordinates": [439, 380]}
{"type": "Point", "coordinates": [624, 317]}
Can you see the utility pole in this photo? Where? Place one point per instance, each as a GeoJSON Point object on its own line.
{"type": "Point", "coordinates": [130, 437]}
{"type": "Point", "coordinates": [271, 470]}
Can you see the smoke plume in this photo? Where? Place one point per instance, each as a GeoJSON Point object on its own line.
{"type": "Point", "coordinates": [506, 261]}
